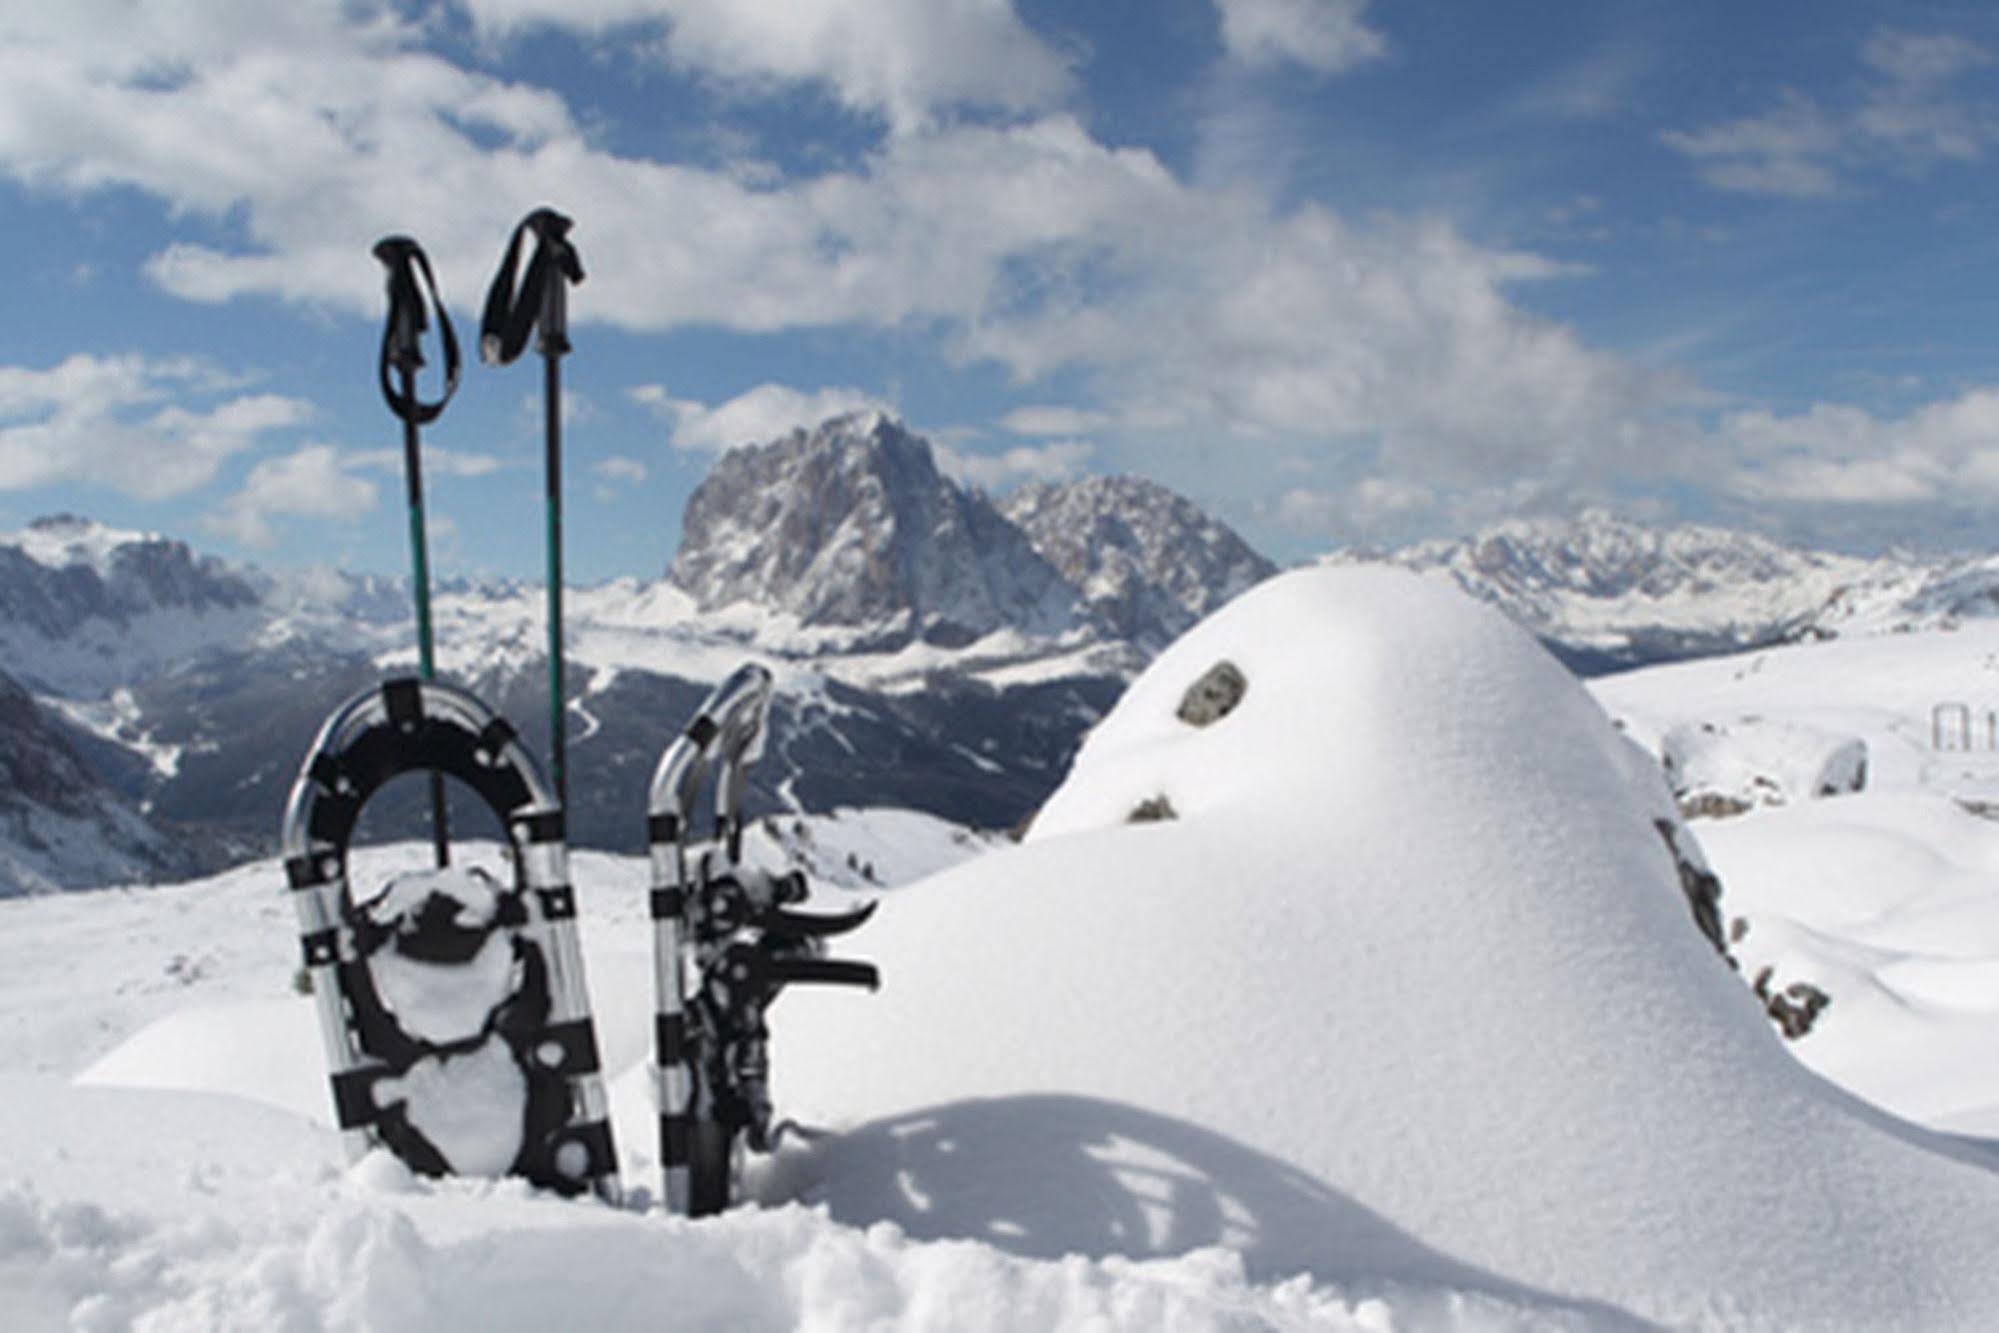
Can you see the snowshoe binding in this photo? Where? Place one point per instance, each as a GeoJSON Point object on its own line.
{"type": "Point", "coordinates": [453, 1010]}
{"type": "Point", "coordinates": [725, 943]}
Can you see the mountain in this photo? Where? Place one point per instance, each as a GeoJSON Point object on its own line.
{"type": "Point", "coordinates": [85, 607]}
{"type": "Point", "coordinates": [1147, 563]}
{"type": "Point", "coordinates": [60, 826]}
{"type": "Point", "coordinates": [851, 527]}
{"type": "Point", "coordinates": [1607, 594]}
{"type": "Point", "coordinates": [932, 648]}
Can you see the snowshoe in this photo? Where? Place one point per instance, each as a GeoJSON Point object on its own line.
{"type": "Point", "coordinates": [725, 942]}
{"type": "Point", "coordinates": [457, 1027]}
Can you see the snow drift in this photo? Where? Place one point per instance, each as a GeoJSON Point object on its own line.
{"type": "Point", "coordinates": [1406, 990]}
{"type": "Point", "coordinates": [1725, 768]}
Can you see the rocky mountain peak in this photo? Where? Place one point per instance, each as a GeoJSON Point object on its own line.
{"type": "Point", "coordinates": [850, 525]}
{"type": "Point", "coordinates": [1147, 561]}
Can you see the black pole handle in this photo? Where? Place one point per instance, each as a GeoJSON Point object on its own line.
{"type": "Point", "coordinates": [409, 280]}
{"type": "Point", "coordinates": [540, 299]}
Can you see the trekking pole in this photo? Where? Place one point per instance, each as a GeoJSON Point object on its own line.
{"type": "Point", "coordinates": [541, 302]}
{"type": "Point", "coordinates": [401, 354]}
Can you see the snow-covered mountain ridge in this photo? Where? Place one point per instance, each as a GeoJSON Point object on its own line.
{"type": "Point", "coordinates": [927, 651]}
{"type": "Point", "coordinates": [932, 646]}
{"type": "Point", "coordinates": [1148, 563]}
{"type": "Point", "coordinates": [1607, 593]}
{"type": "Point", "coordinates": [848, 539]}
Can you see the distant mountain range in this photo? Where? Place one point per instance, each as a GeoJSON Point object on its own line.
{"type": "Point", "coordinates": [1606, 594]}
{"type": "Point", "coordinates": [933, 648]}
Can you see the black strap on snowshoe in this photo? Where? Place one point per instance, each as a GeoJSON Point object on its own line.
{"type": "Point", "coordinates": [513, 312]}
{"type": "Point", "coordinates": [407, 263]}
{"type": "Point", "coordinates": [802, 926]}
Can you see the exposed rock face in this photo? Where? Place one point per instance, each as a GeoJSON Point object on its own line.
{"type": "Point", "coordinates": [1148, 563]}
{"type": "Point", "coordinates": [1214, 696]}
{"type": "Point", "coordinates": [851, 525]}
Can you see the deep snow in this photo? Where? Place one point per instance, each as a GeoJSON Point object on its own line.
{"type": "Point", "coordinates": [1405, 1011]}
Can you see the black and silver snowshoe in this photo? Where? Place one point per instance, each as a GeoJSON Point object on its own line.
{"type": "Point", "coordinates": [453, 1010]}
{"type": "Point", "coordinates": [725, 942]}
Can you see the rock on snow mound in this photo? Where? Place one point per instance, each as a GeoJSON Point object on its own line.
{"type": "Point", "coordinates": [1404, 990]}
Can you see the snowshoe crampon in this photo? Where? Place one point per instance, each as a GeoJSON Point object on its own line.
{"type": "Point", "coordinates": [724, 943]}
{"type": "Point", "coordinates": [453, 1010]}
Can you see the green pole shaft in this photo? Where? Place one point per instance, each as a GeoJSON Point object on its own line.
{"type": "Point", "coordinates": [552, 405]}
{"type": "Point", "coordinates": [440, 831]}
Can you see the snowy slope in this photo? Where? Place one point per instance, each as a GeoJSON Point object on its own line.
{"type": "Point", "coordinates": [59, 826]}
{"type": "Point", "coordinates": [1404, 1011]}
{"type": "Point", "coordinates": [1408, 988]}
{"type": "Point", "coordinates": [1885, 900]}
{"type": "Point", "coordinates": [136, 1197]}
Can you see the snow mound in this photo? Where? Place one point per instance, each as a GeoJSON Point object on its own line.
{"type": "Point", "coordinates": [1727, 768]}
{"type": "Point", "coordinates": [1407, 990]}
{"type": "Point", "coordinates": [1885, 902]}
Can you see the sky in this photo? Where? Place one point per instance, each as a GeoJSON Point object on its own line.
{"type": "Point", "coordinates": [1344, 273]}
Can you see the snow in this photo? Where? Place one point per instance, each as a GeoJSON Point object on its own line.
{"type": "Point", "coordinates": [1883, 899]}
{"type": "Point", "coordinates": [1415, 947]}
{"type": "Point", "coordinates": [1754, 761]}
{"type": "Point", "coordinates": [442, 1002]}
{"type": "Point", "coordinates": [63, 540]}
{"type": "Point", "coordinates": [1403, 1022]}
{"type": "Point", "coordinates": [208, 1236]}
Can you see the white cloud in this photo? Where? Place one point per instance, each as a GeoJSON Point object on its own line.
{"type": "Point", "coordinates": [1031, 245]}
{"type": "Point", "coordinates": [1922, 58]}
{"type": "Point", "coordinates": [1787, 151]}
{"type": "Point", "coordinates": [1051, 419]}
{"type": "Point", "coordinates": [1314, 513]}
{"type": "Point", "coordinates": [1906, 117]}
{"type": "Point", "coordinates": [751, 417]}
{"type": "Point", "coordinates": [1839, 455]}
{"type": "Point", "coordinates": [1370, 505]}
{"type": "Point", "coordinates": [1326, 35]}
{"type": "Point", "coordinates": [904, 60]}
{"type": "Point", "coordinates": [1912, 113]}
{"type": "Point", "coordinates": [118, 422]}
{"type": "Point", "coordinates": [313, 481]}
{"type": "Point", "coordinates": [437, 462]}
{"type": "Point", "coordinates": [1057, 460]}
{"type": "Point", "coordinates": [619, 468]}
{"type": "Point", "coordinates": [1398, 338]}
{"type": "Point", "coordinates": [532, 412]}
{"type": "Point", "coordinates": [1601, 83]}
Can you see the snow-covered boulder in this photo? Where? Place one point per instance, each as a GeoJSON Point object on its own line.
{"type": "Point", "coordinates": [1408, 991]}
{"type": "Point", "coordinates": [1719, 768]}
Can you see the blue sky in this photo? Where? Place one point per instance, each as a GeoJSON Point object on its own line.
{"type": "Point", "coordinates": [1343, 272]}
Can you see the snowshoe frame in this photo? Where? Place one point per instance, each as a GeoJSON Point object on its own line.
{"type": "Point", "coordinates": [710, 1056]}
{"type": "Point", "coordinates": [410, 725]}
